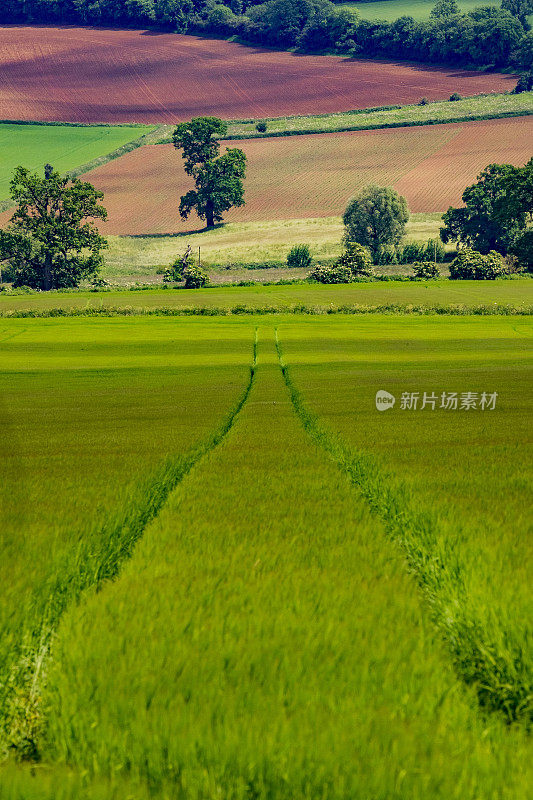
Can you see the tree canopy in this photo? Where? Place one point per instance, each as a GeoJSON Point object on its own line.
{"type": "Point", "coordinates": [51, 242]}
{"type": "Point", "coordinates": [218, 178]}
{"type": "Point", "coordinates": [376, 218]}
{"type": "Point", "coordinates": [495, 209]}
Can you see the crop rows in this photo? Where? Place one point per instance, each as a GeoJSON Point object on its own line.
{"type": "Point", "coordinates": [88, 75]}
{"type": "Point", "coordinates": [315, 175]}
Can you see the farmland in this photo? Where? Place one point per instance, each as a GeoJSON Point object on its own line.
{"type": "Point", "coordinates": [64, 147]}
{"type": "Point", "coordinates": [393, 9]}
{"type": "Point", "coordinates": [462, 296]}
{"type": "Point", "coordinates": [257, 637]}
{"type": "Point", "coordinates": [315, 175]}
{"type": "Point", "coordinates": [91, 75]}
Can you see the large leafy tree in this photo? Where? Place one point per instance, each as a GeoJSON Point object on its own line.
{"type": "Point", "coordinates": [218, 178]}
{"type": "Point", "coordinates": [488, 220]}
{"type": "Point", "coordinates": [51, 242]}
{"type": "Point", "coordinates": [376, 217]}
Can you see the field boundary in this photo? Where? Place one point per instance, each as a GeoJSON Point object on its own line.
{"type": "Point", "coordinates": [22, 722]}
{"type": "Point", "coordinates": [393, 309]}
{"type": "Point", "coordinates": [492, 664]}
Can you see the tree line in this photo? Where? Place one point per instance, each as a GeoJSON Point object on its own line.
{"type": "Point", "coordinates": [486, 36]}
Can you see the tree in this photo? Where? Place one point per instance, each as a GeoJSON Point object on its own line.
{"type": "Point", "coordinates": [218, 178]}
{"type": "Point", "coordinates": [376, 217]}
{"type": "Point", "coordinates": [51, 242]}
{"type": "Point", "coordinates": [488, 220]}
{"type": "Point", "coordinates": [444, 8]}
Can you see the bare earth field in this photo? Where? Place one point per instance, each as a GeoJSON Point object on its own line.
{"type": "Point", "coordinates": [94, 75]}
{"type": "Point", "coordinates": [315, 175]}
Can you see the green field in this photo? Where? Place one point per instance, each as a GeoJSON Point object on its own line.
{"type": "Point", "coordinates": [64, 146]}
{"type": "Point", "coordinates": [254, 584]}
{"type": "Point", "coordinates": [390, 10]}
{"type": "Point", "coordinates": [319, 298]}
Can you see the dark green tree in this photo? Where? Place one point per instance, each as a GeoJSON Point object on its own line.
{"type": "Point", "coordinates": [444, 8]}
{"type": "Point", "coordinates": [376, 218]}
{"type": "Point", "coordinates": [488, 220]}
{"type": "Point", "coordinates": [51, 242]}
{"type": "Point", "coordinates": [218, 178]}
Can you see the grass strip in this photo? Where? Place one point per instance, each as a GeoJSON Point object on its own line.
{"type": "Point", "coordinates": [492, 661]}
{"type": "Point", "coordinates": [468, 109]}
{"type": "Point", "coordinates": [494, 309]}
{"type": "Point", "coordinates": [21, 719]}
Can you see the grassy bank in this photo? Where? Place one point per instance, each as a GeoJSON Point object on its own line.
{"type": "Point", "coordinates": [492, 106]}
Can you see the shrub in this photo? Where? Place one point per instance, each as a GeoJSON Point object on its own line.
{"type": "Point", "coordinates": [335, 274]}
{"type": "Point", "coordinates": [455, 96]}
{"type": "Point", "coordinates": [411, 252]}
{"type": "Point", "coordinates": [299, 256]}
{"type": "Point", "coordinates": [194, 277]}
{"type": "Point", "coordinates": [354, 263]}
{"type": "Point", "coordinates": [434, 251]}
{"type": "Point", "coordinates": [356, 258]}
{"type": "Point", "coordinates": [261, 127]}
{"type": "Point", "coordinates": [523, 250]}
{"type": "Point", "coordinates": [424, 102]}
{"type": "Point", "coordinates": [525, 83]}
{"type": "Point", "coordinates": [388, 255]}
{"type": "Point", "coordinates": [471, 265]}
{"type": "Point", "coordinates": [426, 270]}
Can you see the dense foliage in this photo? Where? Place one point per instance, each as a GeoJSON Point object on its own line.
{"type": "Point", "coordinates": [376, 218]}
{"type": "Point", "coordinates": [497, 209]}
{"type": "Point", "coordinates": [355, 262]}
{"type": "Point", "coordinates": [218, 178]}
{"type": "Point", "coordinates": [487, 36]}
{"type": "Point", "coordinates": [51, 242]}
{"type": "Point", "coordinates": [471, 265]}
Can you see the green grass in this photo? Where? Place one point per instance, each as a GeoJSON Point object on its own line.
{"type": "Point", "coordinates": [99, 422]}
{"type": "Point", "coordinates": [136, 258]}
{"type": "Point", "coordinates": [262, 588]}
{"type": "Point", "coordinates": [320, 298]}
{"type": "Point", "coordinates": [266, 640]}
{"type": "Point", "coordinates": [390, 10]}
{"type": "Point", "coordinates": [449, 485]}
{"type": "Point", "coordinates": [490, 106]}
{"type": "Point", "coordinates": [65, 147]}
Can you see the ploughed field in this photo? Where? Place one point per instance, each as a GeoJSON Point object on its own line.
{"type": "Point", "coordinates": [235, 577]}
{"type": "Point", "coordinates": [94, 75]}
{"type": "Point", "coordinates": [315, 175]}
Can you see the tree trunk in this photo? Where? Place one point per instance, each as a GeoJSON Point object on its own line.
{"type": "Point", "coordinates": [47, 272]}
{"type": "Point", "coordinates": [209, 215]}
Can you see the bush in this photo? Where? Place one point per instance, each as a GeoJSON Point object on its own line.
{"type": "Point", "coordinates": [471, 265]}
{"type": "Point", "coordinates": [424, 102]}
{"type": "Point", "coordinates": [261, 127]}
{"type": "Point", "coordinates": [335, 274]}
{"type": "Point", "coordinates": [194, 277]}
{"type": "Point", "coordinates": [525, 83]}
{"type": "Point", "coordinates": [434, 251]}
{"type": "Point", "coordinates": [411, 252]}
{"type": "Point", "coordinates": [455, 96]}
{"type": "Point", "coordinates": [523, 250]}
{"type": "Point", "coordinates": [426, 270]}
{"type": "Point", "coordinates": [299, 256]}
{"type": "Point", "coordinates": [354, 263]}
{"type": "Point", "coordinates": [356, 258]}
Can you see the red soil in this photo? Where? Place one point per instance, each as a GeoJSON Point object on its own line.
{"type": "Point", "coordinates": [314, 176]}
{"type": "Point", "coordinates": [94, 75]}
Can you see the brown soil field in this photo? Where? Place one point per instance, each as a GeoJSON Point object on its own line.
{"type": "Point", "coordinates": [99, 75]}
{"type": "Point", "coordinates": [315, 175]}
